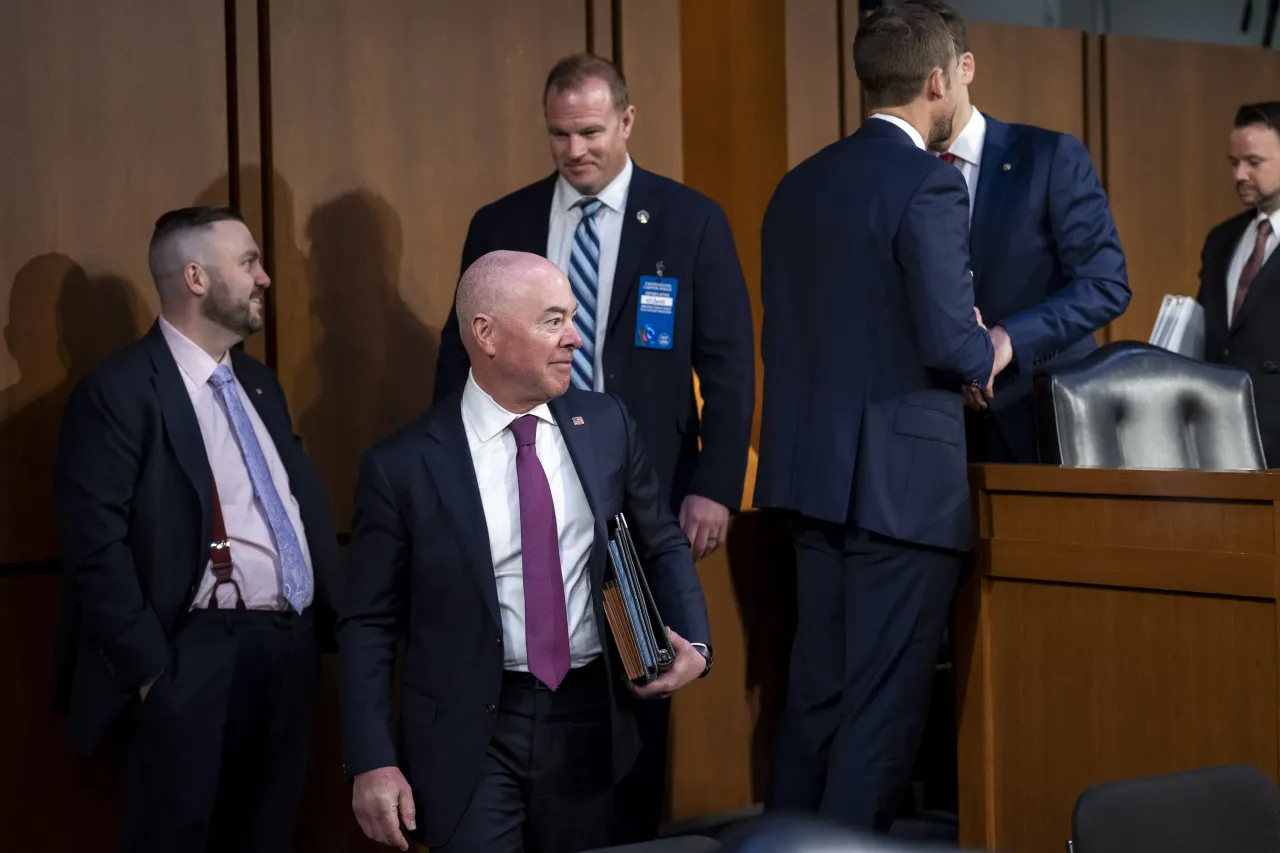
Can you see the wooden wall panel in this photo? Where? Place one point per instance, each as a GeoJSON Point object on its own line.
{"type": "Point", "coordinates": [392, 122]}
{"type": "Point", "coordinates": [812, 73]}
{"type": "Point", "coordinates": [1029, 75]}
{"type": "Point", "coordinates": [737, 118]}
{"type": "Point", "coordinates": [1166, 157]}
{"type": "Point", "coordinates": [648, 36]}
{"type": "Point", "coordinates": [853, 110]}
{"type": "Point", "coordinates": [112, 113]}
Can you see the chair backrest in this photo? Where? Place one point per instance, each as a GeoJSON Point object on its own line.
{"type": "Point", "coordinates": [796, 834]}
{"type": "Point", "coordinates": [1132, 405]}
{"type": "Point", "coordinates": [1233, 809]}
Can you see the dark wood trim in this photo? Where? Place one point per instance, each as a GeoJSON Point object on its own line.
{"type": "Point", "coordinates": [268, 170]}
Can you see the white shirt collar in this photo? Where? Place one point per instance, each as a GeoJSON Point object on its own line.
{"type": "Point", "coordinates": [1274, 217]}
{"type": "Point", "coordinates": [192, 360]}
{"type": "Point", "coordinates": [911, 131]}
{"type": "Point", "coordinates": [614, 196]}
{"type": "Point", "coordinates": [486, 418]}
{"type": "Point", "coordinates": [968, 145]}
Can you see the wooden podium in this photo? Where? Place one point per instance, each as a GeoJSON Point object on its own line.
{"type": "Point", "coordinates": [1116, 624]}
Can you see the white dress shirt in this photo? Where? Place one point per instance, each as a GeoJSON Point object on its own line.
{"type": "Point", "coordinates": [564, 222]}
{"type": "Point", "coordinates": [493, 453]}
{"type": "Point", "coordinates": [255, 561]}
{"type": "Point", "coordinates": [1241, 257]}
{"type": "Point", "coordinates": [911, 131]}
{"type": "Point", "coordinates": [968, 153]}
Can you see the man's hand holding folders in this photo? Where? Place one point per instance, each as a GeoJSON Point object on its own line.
{"type": "Point", "coordinates": [688, 666]}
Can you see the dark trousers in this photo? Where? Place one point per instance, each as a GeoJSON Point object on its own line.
{"type": "Point", "coordinates": [215, 757]}
{"type": "Point", "coordinates": [547, 780]}
{"type": "Point", "coordinates": [986, 442]}
{"type": "Point", "coordinates": [871, 616]}
{"type": "Point", "coordinates": [641, 795]}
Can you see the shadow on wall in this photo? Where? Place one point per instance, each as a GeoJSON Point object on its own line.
{"type": "Point", "coordinates": [762, 568]}
{"type": "Point", "coordinates": [376, 359]}
{"type": "Point", "coordinates": [62, 322]}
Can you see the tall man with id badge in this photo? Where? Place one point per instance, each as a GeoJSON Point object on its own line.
{"type": "Point", "coordinates": [660, 294]}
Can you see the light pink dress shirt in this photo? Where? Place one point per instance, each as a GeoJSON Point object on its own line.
{"type": "Point", "coordinates": [256, 562]}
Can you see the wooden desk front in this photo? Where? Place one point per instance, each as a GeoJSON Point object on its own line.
{"type": "Point", "coordinates": [1116, 624]}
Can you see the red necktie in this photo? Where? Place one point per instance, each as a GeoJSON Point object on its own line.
{"type": "Point", "coordinates": [947, 157]}
{"type": "Point", "coordinates": [546, 624]}
{"type": "Point", "coordinates": [1250, 271]}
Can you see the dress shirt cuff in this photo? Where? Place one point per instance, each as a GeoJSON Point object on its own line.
{"type": "Point", "coordinates": [1024, 354]}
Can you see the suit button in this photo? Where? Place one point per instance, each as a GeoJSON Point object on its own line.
{"type": "Point", "coordinates": [498, 639]}
{"type": "Point", "coordinates": [1226, 352]}
{"type": "Point", "coordinates": [490, 708]}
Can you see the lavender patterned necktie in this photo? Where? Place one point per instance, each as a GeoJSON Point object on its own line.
{"type": "Point", "coordinates": [295, 574]}
{"type": "Point", "coordinates": [546, 626]}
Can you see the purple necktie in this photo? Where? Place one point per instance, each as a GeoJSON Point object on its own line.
{"type": "Point", "coordinates": [546, 627]}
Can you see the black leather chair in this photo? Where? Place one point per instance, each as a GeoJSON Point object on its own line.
{"type": "Point", "coordinates": [1233, 809]}
{"type": "Point", "coordinates": [1132, 405]}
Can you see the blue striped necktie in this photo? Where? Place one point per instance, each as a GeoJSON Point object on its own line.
{"type": "Point", "coordinates": [295, 574]}
{"type": "Point", "coordinates": [584, 276]}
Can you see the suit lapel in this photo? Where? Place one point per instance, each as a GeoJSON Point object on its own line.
{"type": "Point", "coordinates": [577, 437]}
{"type": "Point", "coordinates": [449, 458]}
{"type": "Point", "coordinates": [993, 184]}
{"type": "Point", "coordinates": [1213, 275]}
{"type": "Point", "coordinates": [1264, 281]}
{"type": "Point", "coordinates": [635, 239]}
{"type": "Point", "coordinates": [180, 423]}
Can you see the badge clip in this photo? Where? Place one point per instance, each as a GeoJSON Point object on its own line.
{"type": "Point", "coordinates": [660, 268]}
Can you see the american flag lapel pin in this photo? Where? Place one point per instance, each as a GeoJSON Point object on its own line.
{"type": "Point", "coordinates": [578, 422]}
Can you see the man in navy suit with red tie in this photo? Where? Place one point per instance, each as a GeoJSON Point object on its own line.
{"type": "Point", "coordinates": [480, 537]}
{"type": "Point", "coordinates": [1048, 268]}
{"type": "Point", "coordinates": [870, 335]}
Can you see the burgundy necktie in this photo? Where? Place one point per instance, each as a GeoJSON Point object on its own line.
{"type": "Point", "coordinates": [947, 157]}
{"type": "Point", "coordinates": [546, 627]}
{"type": "Point", "coordinates": [1250, 271]}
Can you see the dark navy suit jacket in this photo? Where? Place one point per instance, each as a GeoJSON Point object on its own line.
{"type": "Point", "coordinates": [1047, 262]}
{"type": "Point", "coordinates": [134, 500]}
{"type": "Point", "coordinates": [688, 233]}
{"type": "Point", "coordinates": [869, 335]}
{"type": "Point", "coordinates": [420, 566]}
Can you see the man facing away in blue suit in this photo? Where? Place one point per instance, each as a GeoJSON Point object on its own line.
{"type": "Point", "coordinates": [870, 335]}
{"type": "Point", "coordinates": [1048, 269]}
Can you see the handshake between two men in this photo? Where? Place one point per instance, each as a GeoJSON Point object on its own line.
{"type": "Point", "coordinates": [978, 398]}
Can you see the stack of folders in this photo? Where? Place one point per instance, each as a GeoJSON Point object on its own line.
{"type": "Point", "coordinates": [637, 627]}
{"type": "Point", "coordinates": [1180, 327]}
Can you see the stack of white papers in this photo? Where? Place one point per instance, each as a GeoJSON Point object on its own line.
{"type": "Point", "coordinates": [1180, 327]}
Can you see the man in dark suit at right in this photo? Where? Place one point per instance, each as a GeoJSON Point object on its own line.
{"type": "Point", "coordinates": [870, 333]}
{"type": "Point", "coordinates": [1239, 278]}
